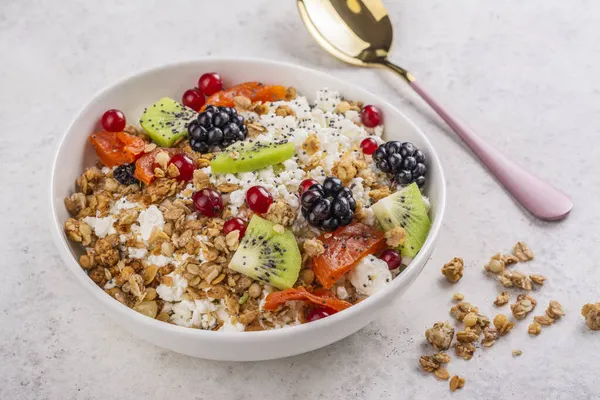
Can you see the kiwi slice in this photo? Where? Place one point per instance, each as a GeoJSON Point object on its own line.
{"type": "Point", "coordinates": [166, 121]}
{"type": "Point", "coordinates": [405, 208]}
{"type": "Point", "coordinates": [267, 255]}
{"type": "Point", "coordinates": [251, 156]}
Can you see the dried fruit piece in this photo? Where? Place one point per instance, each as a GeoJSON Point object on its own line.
{"type": "Point", "coordinates": [591, 312]}
{"type": "Point", "coordinates": [555, 310]}
{"type": "Point", "coordinates": [467, 336]}
{"type": "Point", "coordinates": [456, 383]}
{"type": "Point", "coordinates": [441, 357]}
{"type": "Point", "coordinates": [255, 91]}
{"type": "Point", "coordinates": [534, 329]}
{"type": "Point", "coordinates": [524, 305]}
{"type": "Point", "coordinates": [543, 320]}
{"type": "Point", "coordinates": [440, 335]}
{"type": "Point", "coordinates": [501, 299]}
{"type": "Point", "coordinates": [442, 373]}
{"type": "Point", "coordinates": [537, 279]}
{"type": "Point", "coordinates": [522, 251]}
{"type": "Point", "coordinates": [503, 324]}
{"type": "Point", "coordinates": [453, 270]}
{"type": "Point", "coordinates": [428, 363]}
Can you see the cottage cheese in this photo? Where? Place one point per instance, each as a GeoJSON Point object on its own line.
{"type": "Point", "coordinates": [101, 226]}
{"type": "Point", "coordinates": [370, 275]}
{"type": "Point", "coordinates": [149, 219]}
{"type": "Point", "coordinates": [174, 292]}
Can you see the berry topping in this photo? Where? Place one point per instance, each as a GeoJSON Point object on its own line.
{"type": "Point", "coordinates": [259, 199]}
{"type": "Point", "coordinates": [370, 116]}
{"type": "Point", "coordinates": [208, 202]}
{"type": "Point", "coordinates": [328, 206]}
{"type": "Point", "coordinates": [185, 165]}
{"type": "Point", "coordinates": [392, 258]}
{"type": "Point", "coordinates": [306, 184]}
{"type": "Point", "coordinates": [124, 174]}
{"type": "Point", "coordinates": [403, 160]}
{"type": "Point", "coordinates": [216, 127]}
{"type": "Point", "coordinates": [210, 83]}
{"type": "Point", "coordinates": [319, 313]}
{"type": "Point", "coordinates": [113, 121]}
{"type": "Point", "coordinates": [234, 224]}
{"type": "Point", "coordinates": [194, 99]}
{"type": "Point", "coordinates": [368, 146]}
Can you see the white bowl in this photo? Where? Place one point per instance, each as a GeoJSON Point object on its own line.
{"type": "Point", "coordinates": [131, 95]}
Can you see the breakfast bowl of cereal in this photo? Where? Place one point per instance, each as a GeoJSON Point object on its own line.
{"type": "Point", "coordinates": [241, 209]}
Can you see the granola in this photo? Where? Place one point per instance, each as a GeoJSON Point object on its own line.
{"type": "Point", "coordinates": [522, 252]}
{"type": "Point", "coordinates": [456, 383]}
{"type": "Point", "coordinates": [524, 305]}
{"type": "Point", "coordinates": [453, 270]}
{"type": "Point", "coordinates": [440, 335]}
{"type": "Point", "coordinates": [591, 313]}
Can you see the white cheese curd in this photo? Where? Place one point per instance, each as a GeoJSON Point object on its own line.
{"type": "Point", "coordinates": [172, 293]}
{"type": "Point", "coordinates": [159, 261]}
{"type": "Point", "coordinates": [327, 99]}
{"type": "Point", "coordinates": [149, 219]}
{"type": "Point", "coordinates": [122, 204]}
{"type": "Point", "coordinates": [201, 314]}
{"type": "Point", "coordinates": [101, 226]}
{"type": "Point", "coordinates": [134, 252]}
{"type": "Point", "coordinates": [230, 327]}
{"type": "Point", "coordinates": [342, 293]}
{"type": "Point", "coordinates": [370, 275]}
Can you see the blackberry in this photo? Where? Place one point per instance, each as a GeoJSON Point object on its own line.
{"type": "Point", "coordinates": [403, 160]}
{"type": "Point", "coordinates": [328, 206]}
{"type": "Point", "coordinates": [216, 127]}
{"type": "Point", "coordinates": [124, 174]}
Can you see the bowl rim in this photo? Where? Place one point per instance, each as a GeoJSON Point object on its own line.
{"type": "Point", "coordinates": [220, 336]}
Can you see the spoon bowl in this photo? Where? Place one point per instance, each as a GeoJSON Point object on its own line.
{"type": "Point", "coordinates": [360, 32]}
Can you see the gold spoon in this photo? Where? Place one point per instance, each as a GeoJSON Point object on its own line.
{"type": "Point", "coordinates": [359, 32]}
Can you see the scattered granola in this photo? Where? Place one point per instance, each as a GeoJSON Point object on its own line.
{"type": "Point", "coordinates": [465, 350]}
{"type": "Point", "coordinates": [537, 279]}
{"type": "Point", "coordinates": [453, 270]}
{"type": "Point", "coordinates": [441, 357]}
{"type": "Point", "coordinates": [515, 278]}
{"type": "Point", "coordinates": [442, 373]}
{"type": "Point", "coordinates": [516, 353]}
{"type": "Point", "coordinates": [591, 313]}
{"type": "Point", "coordinates": [555, 310]}
{"type": "Point", "coordinates": [490, 334]}
{"type": "Point", "coordinates": [543, 320]}
{"type": "Point", "coordinates": [458, 297]}
{"type": "Point", "coordinates": [457, 383]}
{"type": "Point", "coordinates": [524, 305]}
{"type": "Point", "coordinates": [509, 259]}
{"type": "Point", "coordinates": [503, 324]}
{"type": "Point", "coordinates": [534, 329]}
{"type": "Point", "coordinates": [522, 251]}
{"type": "Point", "coordinates": [467, 336]}
{"type": "Point", "coordinates": [428, 363]}
{"type": "Point", "coordinates": [460, 310]}
{"type": "Point", "coordinates": [502, 299]}
{"type": "Point", "coordinates": [495, 265]}
{"type": "Point", "coordinates": [440, 335]}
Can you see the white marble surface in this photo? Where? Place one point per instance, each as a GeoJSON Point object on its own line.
{"type": "Point", "coordinates": [524, 74]}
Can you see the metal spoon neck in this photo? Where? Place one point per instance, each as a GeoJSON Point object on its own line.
{"type": "Point", "coordinates": [407, 76]}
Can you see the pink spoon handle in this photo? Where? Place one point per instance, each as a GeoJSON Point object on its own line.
{"type": "Point", "coordinates": [540, 198]}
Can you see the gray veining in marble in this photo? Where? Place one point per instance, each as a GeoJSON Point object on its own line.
{"type": "Point", "coordinates": [524, 75]}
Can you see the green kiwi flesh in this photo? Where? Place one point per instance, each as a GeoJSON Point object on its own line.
{"type": "Point", "coordinates": [251, 156]}
{"type": "Point", "coordinates": [166, 121]}
{"type": "Point", "coordinates": [268, 256]}
{"type": "Point", "coordinates": [407, 209]}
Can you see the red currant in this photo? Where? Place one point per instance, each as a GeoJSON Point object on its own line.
{"type": "Point", "coordinates": [235, 224]}
{"type": "Point", "coordinates": [259, 199]}
{"type": "Point", "coordinates": [368, 146]}
{"type": "Point", "coordinates": [185, 165]}
{"type": "Point", "coordinates": [210, 83]}
{"type": "Point", "coordinates": [319, 313]}
{"type": "Point", "coordinates": [306, 184]}
{"type": "Point", "coordinates": [113, 121]}
{"type": "Point", "coordinates": [208, 202]}
{"type": "Point", "coordinates": [392, 258]}
{"type": "Point", "coordinates": [370, 116]}
{"type": "Point", "coordinates": [194, 99]}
